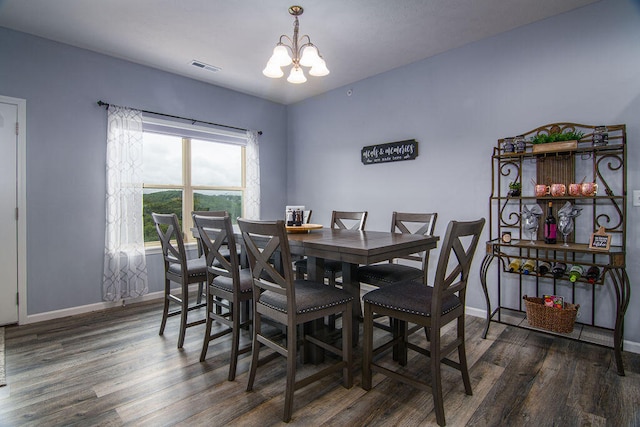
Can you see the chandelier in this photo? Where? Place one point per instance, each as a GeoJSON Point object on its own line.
{"type": "Point", "coordinates": [303, 53]}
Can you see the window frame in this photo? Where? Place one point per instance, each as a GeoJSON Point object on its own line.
{"type": "Point", "coordinates": [188, 189]}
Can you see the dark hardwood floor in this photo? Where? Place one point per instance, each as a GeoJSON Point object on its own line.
{"type": "Point", "coordinates": [111, 368]}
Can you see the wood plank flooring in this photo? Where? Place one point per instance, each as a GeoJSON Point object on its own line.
{"type": "Point", "coordinates": [111, 368]}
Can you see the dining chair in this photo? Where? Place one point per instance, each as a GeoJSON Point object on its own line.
{"type": "Point", "coordinates": [383, 274]}
{"type": "Point", "coordinates": [339, 220]}
{"type": "Point", "coordinates": [228, 286]}
{"type": "Point", "coordinates": [430, 307]}
{"type": "Point", "coordinates": [178, 269]}
{"type": "Point", "coordinates": [281, 299]}
{"type": "Point", "coordinates": [386, 273]}
{"type": "Point", "coordinates": [201, 290]}
{"type": "Point", "coordinates": [224, 250]}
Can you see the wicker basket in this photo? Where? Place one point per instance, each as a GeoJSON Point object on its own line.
{"type": "Point", "coordinates": [550, 318]}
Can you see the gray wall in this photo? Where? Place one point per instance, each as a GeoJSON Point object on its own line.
{"type": "Point", "coordinates": [66, 134]}
{"type": "Point", "coordinates": [582, 66]}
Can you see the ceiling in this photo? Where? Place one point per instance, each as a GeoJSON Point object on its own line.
{"type": "Point", "coordinates": [357, 38]}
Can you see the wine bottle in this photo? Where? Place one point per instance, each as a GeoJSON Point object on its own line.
{"type": "Point", "coordinates": [543, 268]}
{"type": "Point", "coordinates": [515, 265]}
{"type": "Point", "coordinates": [576, 272]}
{"type": "Point", "coordinates": [593, 273]}
{"type": "Point", "coordinates": [529, 266]}
{"type": "Point", "coordinates": [559, 269]}
{"type": "Point", "coordinates": [550, 227]}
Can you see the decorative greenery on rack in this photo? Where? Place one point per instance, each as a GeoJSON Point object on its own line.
{"type": "Point", "coordinates": [543, 138]}
{"type": "Point", "coordinates": [514, 189]}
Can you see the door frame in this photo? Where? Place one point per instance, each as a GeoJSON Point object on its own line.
{"type": "Point", "coordinates": [21, 164]}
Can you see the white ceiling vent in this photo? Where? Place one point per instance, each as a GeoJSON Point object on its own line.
{"type": "Point", "coordinates": [204, 66]}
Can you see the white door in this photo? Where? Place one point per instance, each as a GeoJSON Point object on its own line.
{"type": "Point", "coordinates": [8, 214]}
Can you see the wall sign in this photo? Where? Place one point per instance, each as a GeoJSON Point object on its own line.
{"type": "Point", "coordinates": [390, 152]}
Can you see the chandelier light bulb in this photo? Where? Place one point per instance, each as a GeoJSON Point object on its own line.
{"type": "Point", "coordinates": [296, 76]}
{"type": "Point", "coordinates": [320, 69]}
{"type": "Point", "coordinates": [272, 70]}
{"type": "Point", "coordinates": [280, 56]}
{"type": "Point", "coordinates": [310, 56]}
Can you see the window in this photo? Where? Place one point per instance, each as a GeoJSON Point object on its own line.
{"type": "Point", "coordinates": [183, 172]}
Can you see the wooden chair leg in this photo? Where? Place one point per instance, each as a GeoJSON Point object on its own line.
{"type": "Point", "coordinates": [291, 373]}
{"type": "Point", "coordinates": [347, 347]}
{"type": "Point", "coordinates": [235, 341]}
{"type": "Point", "coordinates": [165, 310]}
{"type": "Point", "coordinates": [200, 290]}
{"type": "Point", "coordinates": [403, 330]}
{"type": "Point", "coordinates": [462, 357]}
{"type": "Point", "coordinates": [255, 350]}
{"type": "Point", "coordinates": [436, 378]}
{"type": "Point", "coordinates": [207, 332]}
{"type": "Point", "coordinates": [367, 347]}
{"type": "Point", "coordinates": [184, 311]}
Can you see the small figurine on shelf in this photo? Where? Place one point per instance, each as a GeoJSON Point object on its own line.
{"type": "Point", "coordinates": [531, 220]}
{"type": "Point", "coordinates": [507, 145]}
{"type": "Point", "coordinates": [600, 136]}
{"type": "Point", "coordinates": [566, 214]}
{"type": "Point", "coordinates": [514, 189]}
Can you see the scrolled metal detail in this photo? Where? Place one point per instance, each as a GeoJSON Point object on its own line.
{"type": "Point", "coordinates": [507, 168]}
{"type": "Point", "coordinates": [604, 220]}
{"type": "Point", "coordinates": [510, 216]}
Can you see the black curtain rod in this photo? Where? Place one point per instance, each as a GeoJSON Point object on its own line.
{"type": "Point", "coordinates": [193, 121]}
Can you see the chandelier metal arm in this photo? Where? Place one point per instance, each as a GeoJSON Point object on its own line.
{"type": "Point", "coordinates": [285, 37]}
{"type": "Point", "coordinates": [296, 53]}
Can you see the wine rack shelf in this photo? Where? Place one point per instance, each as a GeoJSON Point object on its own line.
{"type": "Point", "coordinates": [603, 302]}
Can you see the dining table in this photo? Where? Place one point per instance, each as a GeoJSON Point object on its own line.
{"type": "Point", "coordinates": [353, 248]}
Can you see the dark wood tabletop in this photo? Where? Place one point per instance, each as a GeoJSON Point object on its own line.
{"type": "Point", "coordinates": [358, 247]}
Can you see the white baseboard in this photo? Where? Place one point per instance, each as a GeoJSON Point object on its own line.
{"type": "Point", "coordinates": [71, 311]}
{"type": "Point", "coordinates": [476, 312]}
{"type": "Point", "coordinates": [630, 346]}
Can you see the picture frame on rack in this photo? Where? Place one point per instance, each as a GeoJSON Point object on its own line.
{"type": "Point", "coordinates": [600, 240]}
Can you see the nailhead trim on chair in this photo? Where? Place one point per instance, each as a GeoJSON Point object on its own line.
{"type": "Point", "coordinates": [411, 311]}
{"type": "Point", "coordinates": [314, 308]}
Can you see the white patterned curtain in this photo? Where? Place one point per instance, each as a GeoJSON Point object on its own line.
{"type": "Point", "coordinates": [125, 267]}
{"type": "Point", "coordinates": [252, 196]}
